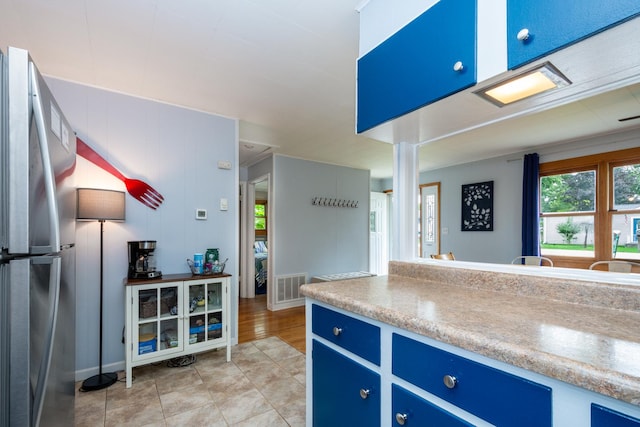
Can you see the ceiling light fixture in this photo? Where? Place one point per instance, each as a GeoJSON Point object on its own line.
{"type": "Point", "coordinates": [533, 82]}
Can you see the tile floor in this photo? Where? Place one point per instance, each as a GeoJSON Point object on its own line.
{"type": "Point", "coordinates": [263, 385]}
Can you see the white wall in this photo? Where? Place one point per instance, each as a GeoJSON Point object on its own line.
{"type": "Point", "coordinates": [315, 239]}
{"type": "Point", "coordinates": [175, 150]}
{"type": "Point", "coordinates": [503, 243]}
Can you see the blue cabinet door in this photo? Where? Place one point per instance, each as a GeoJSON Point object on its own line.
{"type": "Point", "coordinates": [416, 411]}
{"type": "Point", "coordinates": [415, 66]}
{"type": "Point", "coordinates": [345, 393]}
{"type": "Point", "coordinates": [605, 417]}
{"type": "Point", "coordinates": [554, 24]}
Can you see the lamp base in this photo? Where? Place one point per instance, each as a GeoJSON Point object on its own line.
{"type": "Point", "coordinates": [100, 381]}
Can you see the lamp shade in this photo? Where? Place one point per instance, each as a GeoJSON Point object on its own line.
{"type": "Point", "coordinates": [101, 205]}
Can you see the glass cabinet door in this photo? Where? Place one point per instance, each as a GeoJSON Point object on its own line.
{"type": "Point", "coordinates": [156, 314]}
{"type": "Point", "coordinates": [205, 306]}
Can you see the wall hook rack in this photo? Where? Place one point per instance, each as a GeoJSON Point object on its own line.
{"type": "Point", "coordinates": [334, 203]}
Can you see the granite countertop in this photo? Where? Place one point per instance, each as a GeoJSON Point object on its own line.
{"type": "Point", "coordinates": [581, 332]}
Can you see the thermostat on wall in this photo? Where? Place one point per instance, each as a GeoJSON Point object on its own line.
{"type": "Point", "coordinates": [201, 214]}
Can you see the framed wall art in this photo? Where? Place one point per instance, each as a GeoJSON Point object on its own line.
{"type": "Point", "coordinates": [477, 206]}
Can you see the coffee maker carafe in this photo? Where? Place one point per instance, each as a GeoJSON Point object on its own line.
{"type": "Point", "coordinates": [142, 264]}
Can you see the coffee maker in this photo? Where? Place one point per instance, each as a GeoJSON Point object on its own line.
{"type": "Point", "coordinates": [142, 264]}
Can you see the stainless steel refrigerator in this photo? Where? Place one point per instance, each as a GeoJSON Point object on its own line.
{"type": "Point", "coordinates": [37, 258]}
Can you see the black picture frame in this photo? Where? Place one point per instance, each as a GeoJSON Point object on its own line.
{"type": "Point", "coordinates": [477, 207]}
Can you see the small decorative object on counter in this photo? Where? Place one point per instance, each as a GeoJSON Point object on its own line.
{"type": "Point", "coordinates": [210, 257]}
{"type": "Point", "coordinates": [198, 263]}
{"type": "Point", "coordinates": [218, 267]}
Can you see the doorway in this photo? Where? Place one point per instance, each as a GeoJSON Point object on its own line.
{"type": "Point", "coordinates": [256, 241]}
{"type": "Point", "coordinates": [429, 219]}
{"type": "Point", "coordinates": [378, 235]}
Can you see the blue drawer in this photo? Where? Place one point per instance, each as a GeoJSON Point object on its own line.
{"type": "Point", "coordinates": [493, 395]}
{"type": "Point", "coordinates": [605, 417]}
{"type": "Point", "coordinates": [338, 384]}
{"type": "Point", "coordinates": [419, 412]}
{"type": "Point", "coordinates": [358, 337]}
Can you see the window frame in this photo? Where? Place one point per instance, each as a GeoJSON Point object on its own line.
{"type": "Point", "coordinates": [603, 165]}
{"type": "Point", "coordinates": [261, 232]}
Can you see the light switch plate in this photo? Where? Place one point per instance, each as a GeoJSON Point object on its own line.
{"type": "Point", "coordinates": [224, 164]}
{"type": "Point", "coordinates": [224, 204]}
{"type": "Point", "coordinates": [201, 214]}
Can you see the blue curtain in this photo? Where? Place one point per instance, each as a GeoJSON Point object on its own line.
{"type": "Point", "coordinates": [530, 207]}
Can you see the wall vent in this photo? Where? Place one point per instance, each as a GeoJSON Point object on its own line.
{"type": "Point", "coordinates": [288, 287]}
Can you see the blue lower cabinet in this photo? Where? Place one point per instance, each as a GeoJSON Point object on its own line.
{"type": "Point", "coordinates": [345, 393]}
{"type": "Point", "coordinates": [411, 410]}
{"type": "Point", "coordinates": [498, 397]}
{"type": "Point", "coordinates": [605, 417]}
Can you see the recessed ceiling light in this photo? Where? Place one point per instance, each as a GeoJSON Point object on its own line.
{"type": "Point", "coordinates": [533, 82]}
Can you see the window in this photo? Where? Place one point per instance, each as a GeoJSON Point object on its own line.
{"type": "Point", "coordinates": [625, 218]}
{"type": "Point", "coordinates": [590, 206]}
{"type": "Point", "coordinates": [567, 205]}
{"type": "Point", "coordinates": [260, 217]}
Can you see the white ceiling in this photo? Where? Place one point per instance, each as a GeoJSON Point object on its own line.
{"type": "Point", "coordinates": [285, 68]}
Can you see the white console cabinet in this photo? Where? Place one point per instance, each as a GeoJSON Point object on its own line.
{"type": "Point", "coordinates": [175, 315]}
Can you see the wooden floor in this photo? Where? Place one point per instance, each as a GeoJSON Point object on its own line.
{"type": "Point", "coordinates": [256, 322]}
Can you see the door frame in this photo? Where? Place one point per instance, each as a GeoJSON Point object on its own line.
{"type": "Point", "coordinates": [249, 236]}
{"type": "Point", "coordinates": [422, 187]}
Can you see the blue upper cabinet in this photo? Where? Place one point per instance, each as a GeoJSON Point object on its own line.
{"type": "Point", "coordinates": [430, 58]}
{"type": "Point", "coordinates": [554, 24]}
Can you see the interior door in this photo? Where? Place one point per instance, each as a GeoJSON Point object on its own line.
{"type": "Point", "coordinates": [378, 236]}
{"type": "Point", "coordinates": [430, 219]}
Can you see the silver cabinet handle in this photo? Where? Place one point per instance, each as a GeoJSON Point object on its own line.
{"type": "Point", "coordinates": [337, 331]}
{"type": "Point", "coordinates": [401, 418]}
{"type": "Point", "coordinates": [458, 66]}
{"type": "Point", "coordinates": [523, 34]}
{"type": "Point", "coordinates": [450, 381]}
{"type": "Point", "coordinates": [364, 393]}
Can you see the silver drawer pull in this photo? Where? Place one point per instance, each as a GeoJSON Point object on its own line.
{"type": "Point", "coordinates": [337, 331]}
{"type": "Point", "coordinates": [401, 418]}
{"type": "Point", "coordinates": [450, 381]}
{"type": "Point", "coordinates": [364, 393]}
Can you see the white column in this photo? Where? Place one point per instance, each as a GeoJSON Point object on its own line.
{"type": "Point", "coordinates": [405, 201]}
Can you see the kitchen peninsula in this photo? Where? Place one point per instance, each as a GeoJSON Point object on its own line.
{"type": "Point", "coordinates": [475, 344]}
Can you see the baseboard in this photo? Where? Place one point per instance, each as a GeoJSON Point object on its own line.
{"type": "Point", "coordinates": [288, 304]}
{"type": "Point", "coordinates": [83, 374]}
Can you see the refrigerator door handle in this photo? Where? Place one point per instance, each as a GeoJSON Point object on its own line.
{"type": "Point", "coordinates": [45, 362]}
{"type": "Point", "coordinates": [47, 169]}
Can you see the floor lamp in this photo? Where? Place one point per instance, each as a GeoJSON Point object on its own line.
{"type": "Point", "coordinates": [100, 205]}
